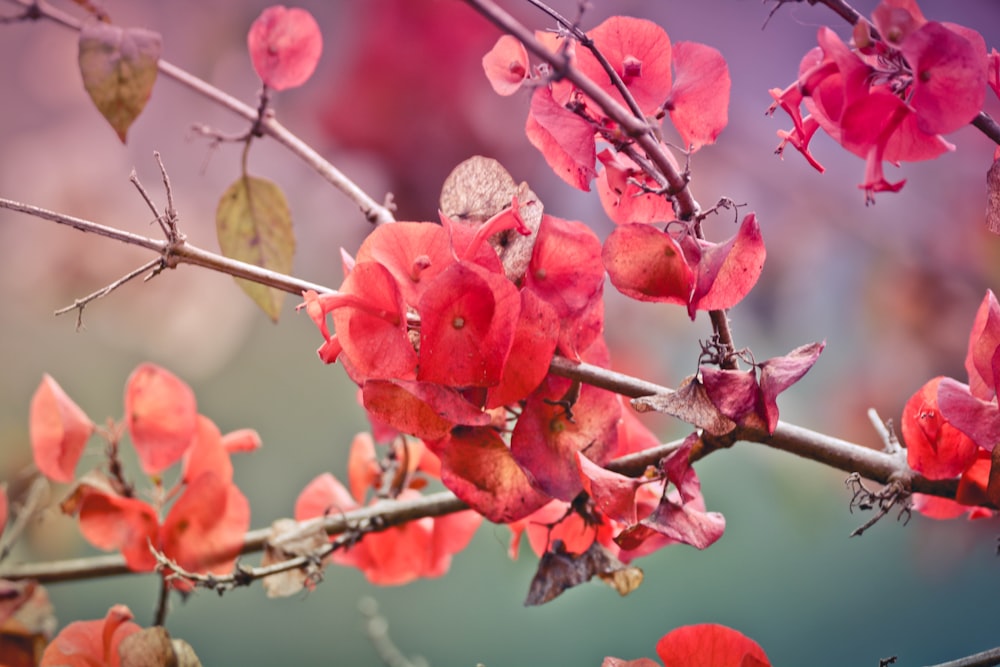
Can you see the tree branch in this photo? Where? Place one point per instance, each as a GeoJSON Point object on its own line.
{"type": "Point", "coordinates": [177, 252]}
{"type": "Point", "coordinates": [834, 452]}
{"type": "Point", "coordinates": [373, 211]}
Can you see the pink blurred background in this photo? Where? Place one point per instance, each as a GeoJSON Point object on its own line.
{"type": "Point", "coordinates": [399, 98]}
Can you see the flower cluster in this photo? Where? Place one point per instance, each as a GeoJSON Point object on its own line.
{"type": "Point", "coordinates": [905, 82]}
{"type": "Point", "coordinates": [204, 527]}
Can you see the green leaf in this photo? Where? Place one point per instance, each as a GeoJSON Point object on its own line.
{"type": "Point", "coordinates": [119, 67]}
{"type": "Point", "coordinates": [254, 225]}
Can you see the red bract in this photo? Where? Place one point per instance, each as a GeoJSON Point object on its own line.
{"type": "Point", "coordinates": [161, 415]}
{"type": "Point", "coordinates": [934, 448]}
{"type": "Point", "coordinates": [889, 100]}
{"type": "Point", "coordinates": [413, 252]}
{"type": "Point", "coordinates": [114, 522]}
{"type": "Point", "coordinates": [726, 272]}
{"type": "Point", "coordinates": [59, 430]}
{"type": "Point", "coordinates": [467, 321]}
{"type": "Point", "coordinates": [553, 521]}
{"type": "Point", "coordinates": [204, 530]}
{"type": "Point", "coordinates": [563, 123]}
{"type": "Point", "coordinates": [949, 75]}
{"type": "Point", "coordinates": [973, 408]}
{"type": "Point", "coordinates": [751, 400]}
{"type": "Point", "coordinates": [680, 516]}
{"type": "Point", "coordinates": [285, 45]}
{"type": "Point", "coordinates": [639, 52]}
{"type": "Point", "coordinates": [91, 643]}
{"type": "Point", "coordinates": [478, 467]}
{"type": "Point", "coordinates": [982, 361]}
{"type": "Point", "coordinates": [532, 347]}
{"type": "Point", "coordinates": [709, 645]}
{"type": "Point", "coordinates": [370, 317]}
{"type": "Point", "coordinates": [649, 265]}
{"type": "Point", "coordinates": [973, 493]}
{"type": "Point", "coordinates": [424, 409]}
{"type": "Point", "coordinates": [363, 470]}
{"type": "Point", "coordinates": [565, 139]}
{"type": "Point", "coordinates": [553, 428]}
{"type": "Point", "coordinates": [566, 272]}
{"type": "Point", "coordinates": [699, 99]}
{"type": "Point", "coordinates": [613, 493]}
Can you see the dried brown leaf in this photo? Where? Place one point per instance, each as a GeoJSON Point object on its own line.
{"type": "Point", "coordinates": [288, 539]}
{"type": "Point", "coordinates": [691, 404]}
{"type": "Point", "coordinates": [479, 188]}
{"type": "Point", "coordinates": [559, 571]}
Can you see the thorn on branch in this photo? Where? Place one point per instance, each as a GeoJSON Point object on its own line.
{"type": "Point", "coordinates": [882, 501]}
{"type": "Point", "coordinates": [890, 442]}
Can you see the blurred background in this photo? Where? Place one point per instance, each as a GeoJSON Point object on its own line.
{"type": "Point", "coordinates": [398, 99]}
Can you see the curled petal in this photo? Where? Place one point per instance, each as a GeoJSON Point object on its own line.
{"type": "Point", "coordinates": [59, 430]}
{"type": "Point", "coordinates": [506, 65]}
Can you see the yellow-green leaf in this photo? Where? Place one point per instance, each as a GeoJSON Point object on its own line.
{"type": "Point", "coordinates": [255, 226]}
{"type": "Point", "coordinates": [119, 67]}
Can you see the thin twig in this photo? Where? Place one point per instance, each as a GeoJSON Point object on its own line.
{"type": "Point", "coordinates": [79, 304]}
{"type": "Point", "coordinates": [885, 431]}
{"type": "Point", "coordinates": [377, 629]}
{"type": "Point", "coordinates": [579, 35]}
{"type": "Point", "coordinates": [182, 253]}
{"type": "Point", "coordinates": [32, 499]}
{"type": "Point", "coordinates": [162, 603]}
{"type": "Point", "coordinates": [241, 574]}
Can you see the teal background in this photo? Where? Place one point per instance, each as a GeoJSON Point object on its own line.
{"type": "Point", "coordinates": [891, 287]}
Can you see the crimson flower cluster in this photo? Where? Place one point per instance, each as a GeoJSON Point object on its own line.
{"type": "Point", "coordinates": [890, 97]}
